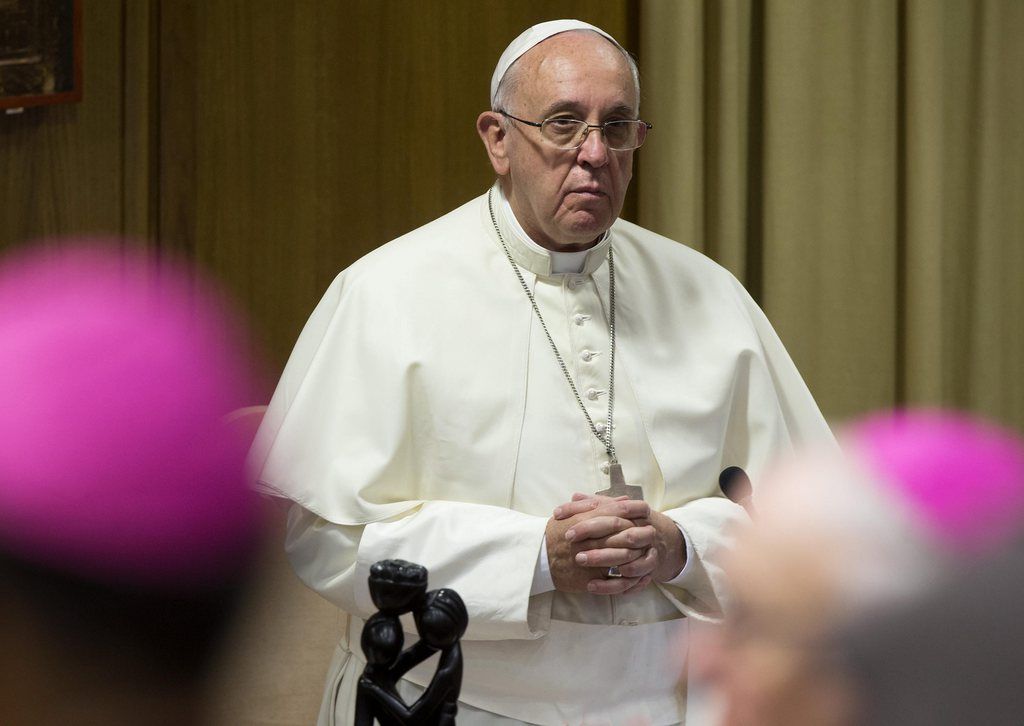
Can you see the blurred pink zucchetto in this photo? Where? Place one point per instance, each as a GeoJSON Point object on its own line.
{"type": "Point", "coordinates": [962, 478]}
{"type": "Point", "coordinates": [115, 373]}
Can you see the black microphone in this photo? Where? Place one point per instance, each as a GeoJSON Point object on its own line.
{"type": "Point", "coordinates": [735, 485]}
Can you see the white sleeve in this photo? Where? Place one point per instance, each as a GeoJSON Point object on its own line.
{"type": "Point", "coordinates": [542, 579]}
{"type": "Point", "coordinates": [486, 554]}
{"type": "Point", "coordinates": [700, 591]}
{"type": "Point", "coordinates": [771, 410]}
{"type": "Point", "coordinates": [685, 574]}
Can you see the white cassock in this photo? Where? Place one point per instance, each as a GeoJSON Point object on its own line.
{"type": "Point", "coordinates": [423, 416]}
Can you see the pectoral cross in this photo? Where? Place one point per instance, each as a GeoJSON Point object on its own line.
{"type": "Point", "coordinates": [619, 486]}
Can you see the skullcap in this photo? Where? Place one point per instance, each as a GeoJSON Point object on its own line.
{"type": "Point", "coordinates": [531, 37]}
{"type": "Point", "coordinates": [115, 464]}
{"type": "Point", "coordinates": [963, 478]}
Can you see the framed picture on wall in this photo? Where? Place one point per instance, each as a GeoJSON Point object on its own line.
{"type": "Point", "coordinates": [40, 53]}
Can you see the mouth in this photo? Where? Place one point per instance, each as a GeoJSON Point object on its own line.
{"type": "Point", "coordinates": [588, 191]}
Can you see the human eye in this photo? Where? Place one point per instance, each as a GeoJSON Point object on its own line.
{"type": "Point", "coordinates": [562, 130]}
{"type": "Point", "coordinates": [565, 123]}
{"type": "Point", "coordinates": [619, 131]}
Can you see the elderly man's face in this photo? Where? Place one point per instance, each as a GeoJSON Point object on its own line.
{"type": "Point", "coordinates": [566, 199]}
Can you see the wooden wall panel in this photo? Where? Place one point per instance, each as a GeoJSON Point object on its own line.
{"type": "Point", "coordinates": [296, 137]}
{"type": "Point", "coordinates": [61, 166]}
{"type": "Point", "coordinates": [274, 143]}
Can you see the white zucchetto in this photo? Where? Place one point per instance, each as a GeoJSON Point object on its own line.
{"type": "Point", "coordinates": [531, 37]}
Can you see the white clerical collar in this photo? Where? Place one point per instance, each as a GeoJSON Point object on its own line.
{"type": "Point", "coordinates": [540, 260]}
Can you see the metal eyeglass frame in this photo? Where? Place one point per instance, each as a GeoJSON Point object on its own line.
{"type": "Point", "coordinates": [604, 136]}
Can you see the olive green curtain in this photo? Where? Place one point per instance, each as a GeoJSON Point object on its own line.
{"type": "Point", "coordinates": [859, 165]}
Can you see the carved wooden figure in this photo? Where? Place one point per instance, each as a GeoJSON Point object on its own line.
{"type": "Point", "coordinates": [399, 587]}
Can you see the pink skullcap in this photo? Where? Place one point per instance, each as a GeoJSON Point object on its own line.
{"type": "Point", "coordinates": [962, 477]}
{"type": "Point", "coordinates": [115, 373]}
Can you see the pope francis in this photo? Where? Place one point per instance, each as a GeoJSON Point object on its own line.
{"type": "Point", "coordinates": [534, 399]}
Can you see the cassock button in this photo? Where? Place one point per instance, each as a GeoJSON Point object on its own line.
{"type": "Point", "coordinates": [600, 428]}
{"type": "Point", "coordinates": [586, 356]}
{"type": "Point", "coordinates": [605, 467]}
{"type": "Point", "coordinates": [580, 319]}
{"type": "Point", "coordinates": [592, 394]}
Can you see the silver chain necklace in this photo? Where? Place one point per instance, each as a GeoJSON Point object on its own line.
{"type": "Point", "coordinates": [619, 486]}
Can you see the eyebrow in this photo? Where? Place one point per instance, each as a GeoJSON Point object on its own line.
{"type": "Point", "coordinates": [573, 107]}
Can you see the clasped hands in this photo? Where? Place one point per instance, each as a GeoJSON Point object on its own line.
{"type": "Point", "coordinates": [592, 532]}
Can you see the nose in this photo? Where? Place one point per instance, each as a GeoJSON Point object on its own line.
{"type": "Point", "coordinates": [594, 151]}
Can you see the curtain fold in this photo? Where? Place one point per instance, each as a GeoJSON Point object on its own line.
{"type": "Point", "coordinates": [693, 173]}
{"type": "Point", "coordinates": [858, 165]}
{"type": "Point", "coordinates": [964, 192]}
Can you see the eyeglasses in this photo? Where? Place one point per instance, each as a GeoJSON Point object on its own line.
{"type": "Point", "coordinates": [570, 133]}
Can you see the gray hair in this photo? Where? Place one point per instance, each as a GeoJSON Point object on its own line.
{"type": "Point", "coordinates": [512, 80]}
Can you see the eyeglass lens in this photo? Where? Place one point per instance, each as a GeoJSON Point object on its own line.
{"type": "Point", "coordinates": [567, 133]}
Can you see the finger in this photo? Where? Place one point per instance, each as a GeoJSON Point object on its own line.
{"type": "Point", "coordinates": [611, 586]}
{"type": "Point", "coordinates": [640, 586]}
{"type": "Point", "coordinates": [596, 527]}
{"type": "Point", "coordinates": [607, 557]}
{"type": "Point", "coordinates": [584, 495]}
{"type": "Point", "coordinates": [631, 538]}
{"type": "Point", "coordinates": [576, 506]}
{"type": "Point", "coordinates": [642, 565]}
{"type": "Point", "coordinates": [582, 503]}
{"type": "Point", "coordinates": [632, 509]}
{"type": "Point", "coordinates": [626, 508]}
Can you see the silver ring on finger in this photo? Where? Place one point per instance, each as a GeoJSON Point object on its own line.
{"type": "Point", "coordinates": [613, 571]}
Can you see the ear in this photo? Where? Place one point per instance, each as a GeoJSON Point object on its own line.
{"type": "Point", "coordinates": [492, 133]}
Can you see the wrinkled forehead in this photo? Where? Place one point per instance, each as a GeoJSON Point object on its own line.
{"type": "Point", "coordinates": [583, 47]}
{"type": "Point", "coordinates": [575, 69]}
{"type": "Point", "coordinates": [535, 35]}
